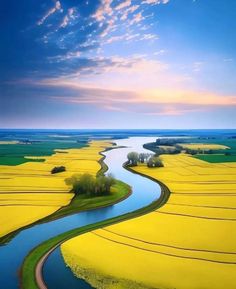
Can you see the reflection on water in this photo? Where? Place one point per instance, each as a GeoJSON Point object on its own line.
{"type": "Point", "coordinates": [57, 276]}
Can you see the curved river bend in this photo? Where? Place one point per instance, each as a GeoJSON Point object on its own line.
{"type": "Point", "coordinates": [55, 273]}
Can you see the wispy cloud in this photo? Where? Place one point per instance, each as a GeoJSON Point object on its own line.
{"type": "Point", "coordinates": [103, 11]}
{"type": "Point", "coordinates": [169, 102]}
{"type": "Point", "coordinates": [197, 66]}
{"type": "Point", "coordinates": [150, 103]}
{"type": "Point", "coordinates": [51, 11]}
{"type": "Point", "coordinates": [129, 11]}
{"type": "Point", "coordinates": [123, 4]}
{"type": "Point", "coordinates": [70, 15]}
{"type": "Point", "coordinates": [136, 19]}
{"type": "Point", "coordinates": [74, 35]}
{"type": "Point", "coordinates": [155, 2]}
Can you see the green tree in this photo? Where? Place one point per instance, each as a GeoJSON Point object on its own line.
{"type": "Point", "coordinates": [91, 186]}
{"type": "Point", "coordinates": [154, 162]}
{"type": "Point", "coordinates": [56, 170]}
{"type": "Point", "coordinates": [133, 158]}
{"type": "Point", "coordinates": [144, 157]}
{"type": "Point", "coordinates": [82, 184]}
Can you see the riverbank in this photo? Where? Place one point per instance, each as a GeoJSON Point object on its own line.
{"type": "Point", "coordinates": [34, 261]}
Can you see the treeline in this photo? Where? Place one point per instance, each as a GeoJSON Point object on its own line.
{"type": "Point", "coordinates": [172, 146]}
{"type": "Point", "coordinates": [158, 150]}
{"type": "Point", "coordinates": [206, 151]}
{"type": "Point", "coordinates": [91, 186]}
{"type": "Point", "coordinates": [167, 141]}
{"type": "Point", "coordinates": [151, 160]}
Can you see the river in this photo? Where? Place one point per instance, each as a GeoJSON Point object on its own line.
{"type": "Point", "coordinates": [56, 274]}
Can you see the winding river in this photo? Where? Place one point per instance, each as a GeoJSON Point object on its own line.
{"type": "Point", "coordinates": [56, 274]}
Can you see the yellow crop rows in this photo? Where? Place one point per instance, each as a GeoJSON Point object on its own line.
{"type": "Point", "coordinates": [202, 146]}
{"type": "Point", "coordinates": [189, 243]}
{"type": "Point", "coordinates": [29, 191]}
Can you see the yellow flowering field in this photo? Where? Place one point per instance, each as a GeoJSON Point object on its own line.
{"type": "Point", "coordinates": [29, 192]}
{"type": "Point", "coordinates": [189, 243]}
{"type": "Point", "coordinates": [3, 142]}
{"type": "Point", "coordinates": [202, 146]}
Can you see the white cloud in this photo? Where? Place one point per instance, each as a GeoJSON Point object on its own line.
{"type": "Point", "coordinates": [103, 10]}
{"type": "Point", "coordinates": [160, 52]}
{"type": "Point", "coordinates": [136, 19]}
{"type": "Point", "coordinates": [123, 4]}
{"type": "Point", "coordinates": [129, 11]}
{"type": "Point", "coordinates": [51, 11]}
{"type": "Point", "coordinates": [114, 39]}
{"type": "Point", "coordinates": [149, 36]}
{"type": "Point", "coordinates": [68, 16]}
{"type": "Point", "coordinates": [155, 2]}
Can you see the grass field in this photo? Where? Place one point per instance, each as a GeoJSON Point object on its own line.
{"type": "Point", "coordinates": [13, 153]}
{"type": "Point", "coordinates": [29, 191]}
{"type": "Point", "coordinates": [216, 158]}
{"type": "Point", "coordinates": [189, 243]}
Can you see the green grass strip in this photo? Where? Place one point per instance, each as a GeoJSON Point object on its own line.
{"type": "Point", "coordinates": [28, 280]}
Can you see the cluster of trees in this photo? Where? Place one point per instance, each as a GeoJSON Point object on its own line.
{"type": "Point", "coordinates": [134, 158]}
{"type": "Point", "coordinates": [199, 151]}
{"type": "Point", "coordinates": [159, 150]}
{"type": "Point", "coordinates": [168, 141]}
{"type": "Point", "coordinates": [149, 159]}
{"type": "Point", "coordinates": [170, 151]}
{"type": "Point", "coordinates": [56, 170]}
{"type": "Point", "coordinates": [91, 186]}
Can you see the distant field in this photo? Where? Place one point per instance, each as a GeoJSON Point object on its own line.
{"type": "Point", "coordinates": [190, 236]}
{"type": "Point", "coordinates": [216, 158]}
{"type": "Point", "coordinates": [203, 146]}
{"type": "Point", "coordinates": [3, 142]}
{"type": "Point", "coordinates": [220, 148]}
{"type": "Point", "coordinates": [14, 153]}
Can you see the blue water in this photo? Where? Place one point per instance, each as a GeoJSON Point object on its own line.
{"type": "Point", "coordinates": [144, 192]}
{"type": "Point", "coordinates": [12, 255]}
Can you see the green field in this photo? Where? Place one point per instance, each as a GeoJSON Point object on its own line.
{"type": "Point", "coordinates": [219, 155]}
{"type": "Point", "coordinates": [14, 154]}
{"type": "Point", "coordinates": [216, 158]}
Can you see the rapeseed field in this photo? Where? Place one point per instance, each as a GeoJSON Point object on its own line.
{"type": "Point", "coordinates": [186, 244]}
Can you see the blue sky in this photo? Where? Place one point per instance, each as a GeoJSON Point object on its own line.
{"type": "Point", "coordinates": [118, 64]}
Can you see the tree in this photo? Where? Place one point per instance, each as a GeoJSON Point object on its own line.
{"type": "Point", "coordinates": [144, 157]}
{"type": "Point", "coordinates": [103, 184]}
{"type": "Point", "coordinates": [91, 186]}
{"type": "Point", "coordinates": [86, 184]}
{"type": "Point", "coordinates": [133, 158]}
{"type": "Point", "coordinates": [109, 182]}
{"type": "Point", "coordinates": [58, 170]}
{"type": "Point", "coordinates": [154, 162]}
{"type": "Point", "coordinates": [82, 184]}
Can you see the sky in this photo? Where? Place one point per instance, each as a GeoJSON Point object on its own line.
{"type": "Point", "coordinates": [163, 64]}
